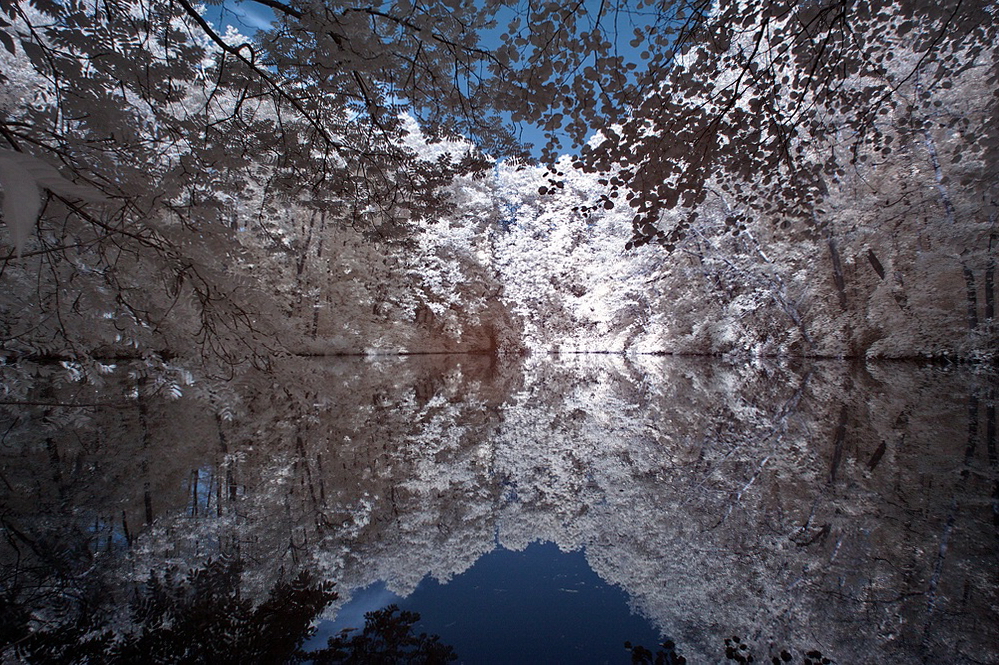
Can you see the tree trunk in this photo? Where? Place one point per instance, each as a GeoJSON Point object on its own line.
{"type": "Point", "coordinates": [969, 454]}
{"type": "Point", "coordinates": [990, 272]}
{"type": "Point", "coordinates": [147, 497]}
{"type": "Point", "coordinates": [838, 278]}
{"type": "Point", "coordinates": [969, 280]}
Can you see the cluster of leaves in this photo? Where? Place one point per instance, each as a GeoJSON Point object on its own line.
{"type": "Point", "coordinates": [201, 617]}
{"type": "Point", "coordinates": [736, 650]}
{"type": "Point", "coordinates": [775, 101]}
{"type": "Point", "coordinates": [197, 617]}
{"type": "Point", "coordinates": [195, 143]}
{"type": "Point", "coordinates": [667, 655]}
{"type": "Point", "coordinates": [732, 89]}
{"type": "Point", "coordinates": [387, 637]}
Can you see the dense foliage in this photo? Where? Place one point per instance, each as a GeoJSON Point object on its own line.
{"type": "Point", "coordinates": [776, 103]}
{"type": "Point", "coordinates": [821, 176]}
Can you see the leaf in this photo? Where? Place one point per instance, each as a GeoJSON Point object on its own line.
{"type": "Point", "coordinates": [21, 201]}
{"type": "Point", "coordinates": [875, 263]}
{"type": "Point", "coordinates": [21, 178]}
{"type": "Point", "coordinates": [34, 52]}
{"type": "Point", "coordinates": [7, 42]}
{"type": "Point", "coordinates": [48, 177]}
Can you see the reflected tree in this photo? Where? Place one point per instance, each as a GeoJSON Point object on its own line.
{"type": "Point", "coordinates": [198, 617]}
{"type": "Point", "coordinates": [847, 497]}
{"type": "Point", "coordinates": [667, 655]}
{"type": "Point", "coordinates": [387, 638]}
{"type": "Point", "coordinates": [202, 617]}
{"type": "Point", "coordinates": [737, 650]}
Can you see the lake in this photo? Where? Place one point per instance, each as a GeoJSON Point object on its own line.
{"type": "Point", "coordinates": [540, 509]}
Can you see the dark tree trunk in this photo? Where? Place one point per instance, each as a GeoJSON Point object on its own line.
{"type": "Point", "coordinates": [969, 280]}
{"type": "Point", "coordinates": [838, 273]}
{"type": "Point", "coordinates": [990, 272]}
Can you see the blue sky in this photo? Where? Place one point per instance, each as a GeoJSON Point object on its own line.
{"type": "Point", "coordinates": [248, 17]}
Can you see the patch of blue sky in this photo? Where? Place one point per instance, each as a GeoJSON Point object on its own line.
{"type": "Point", "coordinates": [536, 605]}
{"type": "Point", "coordinates": [107, 534]}
{"type": "Point", "coordinates": [617, 25]}
{"type": "Point", "coordinates": [246, 17]}
{"type": "Point", "coordinates": [199, 489]}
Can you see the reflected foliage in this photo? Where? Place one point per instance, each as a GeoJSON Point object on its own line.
{"type": "Point", "coordinates": [737, 650]}
{"type": "Point", "coordinates": [198, 617]}
{"type": "Point", "coordinates": [844, 507]}
{"type": "Point", "coordinates": [202, 617]}
{"type": "Point", "coordinates": [666, 655]}
{"type": "Point", "coordinates": [387, 638]}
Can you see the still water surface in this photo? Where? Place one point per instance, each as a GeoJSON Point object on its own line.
{"type": "Point", "coordinates": [539, 510]}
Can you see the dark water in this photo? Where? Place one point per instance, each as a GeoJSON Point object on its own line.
{"type": "Point", "coordinates": [536, 605]}
{"type": "Point", "coordinates": [545, 510]}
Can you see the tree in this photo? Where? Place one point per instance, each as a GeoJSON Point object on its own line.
{"type": "Point", "coordinates": [729, 87]}
{"type": "Point", "coordinates": [194, 618]}
{"type": "Point", "coordinates": [388, 637]}
{"type": "Point", "coordinates": [195, 145]}
{"type": "Point", "coordinates": [776, 102]}
{"type": "Point", "coordinates": [220, 157]}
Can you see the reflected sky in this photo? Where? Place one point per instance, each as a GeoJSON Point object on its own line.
{"type": "Point", "coordinates": [537, 605]}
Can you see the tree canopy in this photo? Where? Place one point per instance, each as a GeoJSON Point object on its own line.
{"type": "Point", "coordinates": [178, 159]}
{"type": "Point", "coordinates": [790, 92]}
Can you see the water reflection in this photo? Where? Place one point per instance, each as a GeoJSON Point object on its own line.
{"type": "Point", "coordinates": [850, 509]}
{"type": "Point", "coordinates": [540, 605]}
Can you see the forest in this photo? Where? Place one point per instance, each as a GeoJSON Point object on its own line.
{"type": "Point", "coordinates": [769, 178]}
{"type": "Point", "coordinates": [745, 206]}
